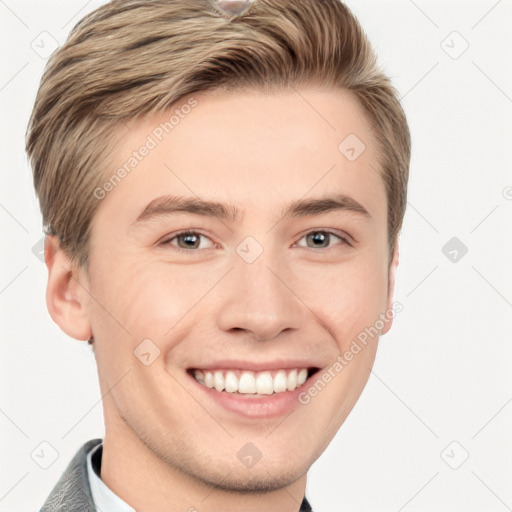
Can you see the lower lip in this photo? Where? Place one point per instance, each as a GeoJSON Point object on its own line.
{"type": "Point", "coordinates": [252, 406]}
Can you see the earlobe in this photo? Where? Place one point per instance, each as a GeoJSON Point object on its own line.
{"type": "Point", "coordinates": [66, 297]}
{"type": "Point", "coordinates": [391, 289]}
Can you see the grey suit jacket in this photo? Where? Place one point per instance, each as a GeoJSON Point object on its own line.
{"type": "Point", "coordinates": [73, 491]}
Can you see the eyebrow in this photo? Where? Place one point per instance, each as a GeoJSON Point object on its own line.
{"type": "Point", "coordinates": [168, 205]}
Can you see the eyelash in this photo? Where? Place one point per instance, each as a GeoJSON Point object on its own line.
{"type": "Point", "coordinates": [343, 240]}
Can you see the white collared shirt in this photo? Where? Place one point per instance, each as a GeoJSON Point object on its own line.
{"type": "Point", "coordinates": [104, 498]}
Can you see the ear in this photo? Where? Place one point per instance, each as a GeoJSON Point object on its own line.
{"type": "Point", "coordinates": [66, 295]}
{"type": "Point", "coordinates": [391, 288]}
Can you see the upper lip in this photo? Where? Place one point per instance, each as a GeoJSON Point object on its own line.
{"type": "Point", "coordinates": [278, 364]}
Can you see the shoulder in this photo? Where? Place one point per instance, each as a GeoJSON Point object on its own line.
{"type": "Point", "coordinates": [72, 493]}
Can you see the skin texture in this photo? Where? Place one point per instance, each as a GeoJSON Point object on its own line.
{"type": "Point", "coordinates": [166, 446]}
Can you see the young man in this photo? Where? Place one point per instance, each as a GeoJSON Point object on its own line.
{"type": "Point", "coordinates": [222, 186]}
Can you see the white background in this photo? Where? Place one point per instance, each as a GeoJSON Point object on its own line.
{"type": "Point", "coordinates": [442, 374]}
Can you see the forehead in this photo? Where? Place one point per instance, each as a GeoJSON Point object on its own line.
{"type": "Point", "coordinates": [260, 150]}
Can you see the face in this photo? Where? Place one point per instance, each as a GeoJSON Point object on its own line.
{"type": "Point", "coordinates": [261, 292]}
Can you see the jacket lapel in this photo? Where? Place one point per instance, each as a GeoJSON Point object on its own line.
{"type": "Point", "coordinates": [72, 493]}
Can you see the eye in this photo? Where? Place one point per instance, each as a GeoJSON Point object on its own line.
{"type": "Point", "coordinates": [191, 240]}
{"type": "Point", "coordinates": [187, 240]}
{"type": "Point", "coordinates": [321, 239]}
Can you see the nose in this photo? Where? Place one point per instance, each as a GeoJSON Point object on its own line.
{"type": "Point", "coordinates": [259, 299]}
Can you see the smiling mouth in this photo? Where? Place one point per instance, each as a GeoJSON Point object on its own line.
{"type": "Point", "coordinates": [244, 382]}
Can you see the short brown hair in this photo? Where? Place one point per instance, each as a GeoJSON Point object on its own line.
{"type": "Point", "coordinates": [131, 58]}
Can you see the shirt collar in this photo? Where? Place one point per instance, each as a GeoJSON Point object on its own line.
{"type": "Point", "coordinates": [104, 498]}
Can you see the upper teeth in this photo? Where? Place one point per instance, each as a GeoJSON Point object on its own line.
{"type": "Point", "coordinates": [262, 383]}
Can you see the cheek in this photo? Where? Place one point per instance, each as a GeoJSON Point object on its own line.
{"type": "Point", "coordinates": [347, 298]}
{"type": "Point", "coordinates": [149, 299]}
